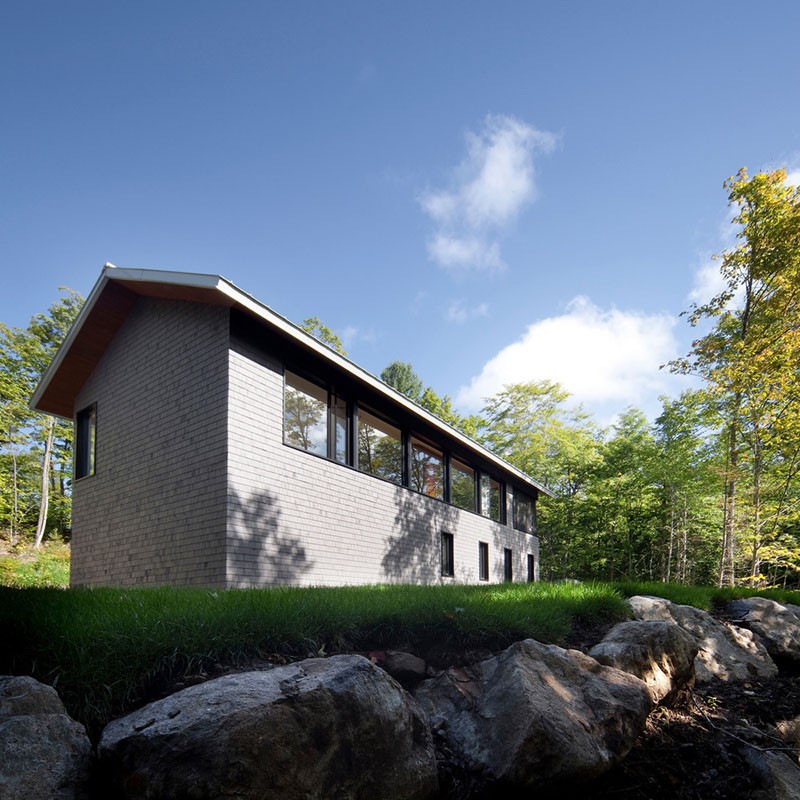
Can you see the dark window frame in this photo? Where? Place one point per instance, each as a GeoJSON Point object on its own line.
{"type": "Point", "coordinates": [448, 565]}
{"type": "Point", "coordinates": [508, 565]}
{"type": "Point", "coordinates": [531, 568]}
{"type": "Point", "coordinates": [85, 442]}
{"type": "Point", "coordinates": [483, 561]}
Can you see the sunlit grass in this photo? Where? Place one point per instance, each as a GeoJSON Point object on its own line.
{"type": "Point", "coordinates": [106, 649]}
{"type": "Point", "coordinates": [25, 566]}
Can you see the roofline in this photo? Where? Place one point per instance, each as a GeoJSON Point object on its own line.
{"type": "Point", "coordinates": [244, 300]}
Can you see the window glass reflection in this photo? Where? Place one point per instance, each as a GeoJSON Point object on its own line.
{"type": "Point", "coordinates": [380, 448]}
{"type": "Point", "coordinates": [462, 485]}
{"type": "Point", "coordinates": [305, 415]}
{"type": "Point", "coordinates": [427, 469]}
{"type": "Point", "coordinates": [490, 497]}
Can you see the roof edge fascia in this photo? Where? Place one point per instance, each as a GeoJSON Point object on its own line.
{"type": "Point", "coordinates": [243, 299]}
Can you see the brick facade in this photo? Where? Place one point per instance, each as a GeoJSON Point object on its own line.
{"type": "Point", "coordinates": [194, 485]}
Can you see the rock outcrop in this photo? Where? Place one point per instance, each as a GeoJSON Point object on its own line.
{"type": "Point", "coordinates": [660, 653]}
{"type": "Point", "coordinates": [725, 652]}
{"type": "Point", "coordinates": [777, 625]}
{"type": "Point", "coordinates": [44, 754]}
{"type": "Point", "coordinates": [536, 714]}
{"type": "Point", "coordinates": [338, 727]}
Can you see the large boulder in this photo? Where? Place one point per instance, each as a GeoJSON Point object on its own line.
{"type": "Point", "coordinates": [660, 653]}
{"type": "Point", "coordinates": [725, 652]}
{"type": "Point", "coordinates": [338, 727]}
{"type": "Point", "coordinates": [778, 626]}
{"type": "Point", "coordinates": [536, 714]}
{"type": "Point", "coordinates": [44, 753]}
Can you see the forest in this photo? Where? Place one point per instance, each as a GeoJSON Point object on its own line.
{"type": "Point", "coordinates": [707, 493]}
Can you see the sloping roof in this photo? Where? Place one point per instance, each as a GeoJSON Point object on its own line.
{"type": "Point", "coordinates": [117, 290]}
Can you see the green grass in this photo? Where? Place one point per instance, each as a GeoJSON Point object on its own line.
{"type": "Point", "coordinates": [106, 650]}
{"type": "Point", "coordinates": [709, 598]}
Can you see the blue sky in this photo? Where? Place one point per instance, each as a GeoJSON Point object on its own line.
{"type": "Point", "coordinates": [494, 192]}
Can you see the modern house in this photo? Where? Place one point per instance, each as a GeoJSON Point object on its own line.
{"type": "Point", "coordinates": [218, 444]}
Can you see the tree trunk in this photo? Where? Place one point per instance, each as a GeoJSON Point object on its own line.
{"type": "Point", "coordinates": [45, 499]}
{"type": "Point", "coordinates": [727, 576]}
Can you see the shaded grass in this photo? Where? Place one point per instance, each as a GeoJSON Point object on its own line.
{"type": "Point", "coordinates": [106, 650]}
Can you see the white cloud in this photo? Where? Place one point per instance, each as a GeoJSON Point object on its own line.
{"type": "Point", "coordinates": [351, 335]}
{"type": "Point", "coordinates": [465, 253]}
{"type": "Point", "coordinates": [458, 311]}
{"type": "Point", "coordinates": [491, 186]}
{"type": "Point", "coordinates": [708, 282]}
{"type": "Point", "coordinates": [603, 358]}
{"type": "Point", "coordinates": [793, 177]}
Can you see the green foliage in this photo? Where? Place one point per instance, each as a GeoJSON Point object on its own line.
{"type": "Point", "coordinates": [108, 649]}
{"type": "Point", "coordinates": [24, 355]}
{"type": "Point", "coordinates": [401, 376]}
{"type": "Point", "coordinates": [25, 566]}
{"type": "Point", "coordinates": [318, 330]}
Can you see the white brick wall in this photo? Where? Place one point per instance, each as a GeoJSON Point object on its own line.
{"type": "Point", "coordinates": [154, 512]}
{"type": "Point", "coordinates": [298, 518]}
{"type": "Point", "coordinates": [194, 485]}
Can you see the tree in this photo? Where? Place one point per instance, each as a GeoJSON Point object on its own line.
{"type": "Point", "coordinates": [25, 353]}
{"type": "Point", "coordinates": [319, 330]}
{"type": "Point", "coordinates": [401, 376]}
{"type": "Point", "coordinates": [533, 427]}
{"type": "Point", "coordinates": [750, 359]}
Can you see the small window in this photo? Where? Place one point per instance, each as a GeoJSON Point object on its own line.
{"type": "Point", "coordinates": [85, 441]}
{"type": "Point", "coordinates": [490, 498]}
{"type": "Point", "coordinates": [305, 415]}
{"type": "Point", "coordinates": [427, 469]}
{"type": "Point", "coordinates": [531, 568]}
{"type": "Point", "coordinates": [448, 566]}
{"type": "Point", "coordinates": [524, 512]}
{"type": "Point", "coordinates": [508, 564]}
{"type": "Point", "coordinates": [380, 448]}
{"type": "Point", "coordinates": [483, 561]}
{"type": "Point", "coordinates": [462, 485]}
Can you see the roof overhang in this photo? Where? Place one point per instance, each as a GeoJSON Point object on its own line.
{"type": "Point", "coordinates": [115, 294]}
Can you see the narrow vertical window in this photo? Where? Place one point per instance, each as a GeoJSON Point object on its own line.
{"type": "Point", "coordinates": [508, 564]}
{"type": "Point", "coordinates": [340, 429]}
{"type": "Point", "coordinates": [531, 568]}
{"type": "Point", "coordinates": [483, 561]}
{"type": "Point", "coordinates": [448, 565]}
{"type": "Point", "coordinates": [85, 441]}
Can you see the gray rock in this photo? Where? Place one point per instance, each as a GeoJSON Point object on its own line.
{"type": "Point", "coordinates": [778, 627]}
{"type": "Point", "coordinates": [44, 754]}
{"type": "Point", "coordinates": [725, 652]}
{"type": "Point", "coordinates": [536, 714]}
{"type": "Point", "coordinates": [338, 727]}
{"type": "Point", "coordinates": [404, 667]}
{"type": "Point", "coordinates": [660, 653]}
{"type": "Point", "coordinates": [779, 775]}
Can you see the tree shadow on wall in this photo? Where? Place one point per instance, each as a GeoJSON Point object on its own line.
{"type": "Point", "coordinates": [258, 553]}
{"type": "Point", "coordinates": [413, 553]}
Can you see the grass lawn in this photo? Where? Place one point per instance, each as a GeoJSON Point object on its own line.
{"type": "Point", "coordinates": [107, 650]}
